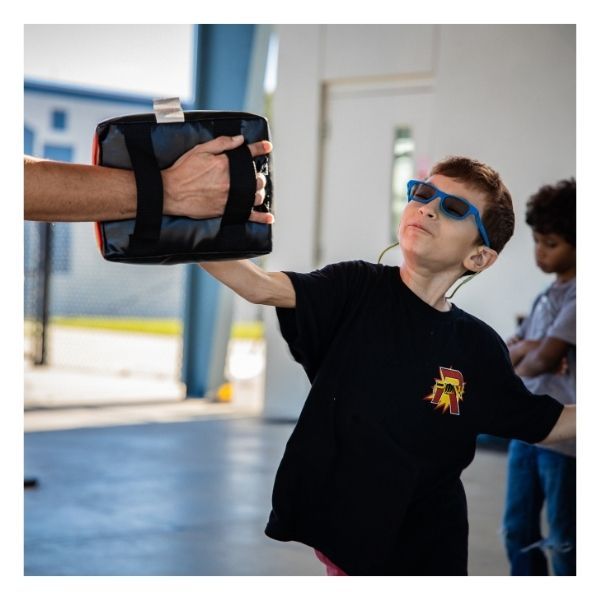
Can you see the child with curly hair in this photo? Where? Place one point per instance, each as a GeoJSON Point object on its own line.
{"type": "Point", "coordinates": [543, 353]}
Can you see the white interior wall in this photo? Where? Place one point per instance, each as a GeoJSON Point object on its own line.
{"type": "Point", "coordinates": [506, 95]}
{"type": "Point", "coordinates": [503, 94]}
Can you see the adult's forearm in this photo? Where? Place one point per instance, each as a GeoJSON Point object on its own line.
{"type": "Point", "coordinates": [56, 191]}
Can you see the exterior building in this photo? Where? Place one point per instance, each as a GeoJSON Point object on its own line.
{"type": "Point", "coordinates": [60, 122]}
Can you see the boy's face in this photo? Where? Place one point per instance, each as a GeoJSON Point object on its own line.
{"type": "Point", "coordinates": [431, 239]}
{"type": "Point", "coordinates": [553, 254]}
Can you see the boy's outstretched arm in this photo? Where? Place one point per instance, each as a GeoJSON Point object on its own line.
{"type": "Point", "coordinates": [252, 283]}
{"type": "Point", "coordinates": [564, 429]}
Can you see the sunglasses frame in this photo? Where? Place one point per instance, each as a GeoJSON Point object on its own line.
{"type": "Point", "coordinates": [442, 196]}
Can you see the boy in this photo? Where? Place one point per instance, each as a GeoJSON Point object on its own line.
{"type": "Point", "coordinates": [545, 340]}
{"type": "Point", "coordinates": [402, 383]}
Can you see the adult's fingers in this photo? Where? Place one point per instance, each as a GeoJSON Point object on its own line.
{"type": "Point", "coordinates": [220, 144]}
{"type": "Point", "coordinates": [225, 142]}
{"type": "Point", "coordinates": [259, 198]}
{"type": "Point", "coordinates": [261, 181]}
{"type": "Point", "coordinates": [261, 192]}
{"type": "Point", "coordinates": [261, 217]}
{"type": "Point", "coordinates": [260, 148]}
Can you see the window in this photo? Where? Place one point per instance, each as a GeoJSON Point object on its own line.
{"type": "Point", "coordinates": [62, 153]}
{"type": "Point", "coordinates": [28, 141]}
{"type": "Point", "coordinates": [59, 119]}
{"type": "Point", "coordinates": [403, 169]}
{"type": "Point", "coordinates": [61, 247]}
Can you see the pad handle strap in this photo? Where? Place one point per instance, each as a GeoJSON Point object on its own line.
{"type": "Point", "coordinates": [242, 186]}
{"type": "Point", "coordinates": [148, 179]}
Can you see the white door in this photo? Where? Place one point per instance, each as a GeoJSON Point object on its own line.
{"type": "Point", "coordinates": [372, 135]}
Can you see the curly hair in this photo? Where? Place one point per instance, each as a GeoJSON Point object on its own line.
{"type": "Point", "coordinates": [552, 210]}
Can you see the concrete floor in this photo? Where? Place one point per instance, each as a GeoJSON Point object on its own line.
{"type": "Point", "coordinates": [189, 498]}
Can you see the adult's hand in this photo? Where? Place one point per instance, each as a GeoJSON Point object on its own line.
{"type": "Point", "coordinates": [197, 184]}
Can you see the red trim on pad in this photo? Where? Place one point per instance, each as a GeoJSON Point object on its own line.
{"type": "Point", "coordinates": [95, 161]}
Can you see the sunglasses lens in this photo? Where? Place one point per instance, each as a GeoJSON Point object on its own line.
{"type": "Point", "coordinates": [421, 191]}
{"type": "Point", "coordinates": [455, 207]}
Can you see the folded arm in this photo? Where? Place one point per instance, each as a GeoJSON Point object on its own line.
{"type": "Point", "coordinates": [534, 357]}
{"type": "Point", "coordinates": [253, 283]}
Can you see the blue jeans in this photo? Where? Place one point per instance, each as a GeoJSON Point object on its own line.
{"type": "Point", "coordinates": [535, 475]}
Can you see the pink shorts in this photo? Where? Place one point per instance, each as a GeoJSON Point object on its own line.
{"type": "Point", "coordinates": [330, 567]}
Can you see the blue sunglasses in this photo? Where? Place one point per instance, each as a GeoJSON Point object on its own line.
{"type": "Point", "coordinates": [452, 206]}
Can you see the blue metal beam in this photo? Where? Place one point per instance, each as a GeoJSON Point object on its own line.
{"type": "Point", "coordinates": [223, 54]}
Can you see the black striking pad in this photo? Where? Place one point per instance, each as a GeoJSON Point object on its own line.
{"type": "Point", "coordinates": [139, 143]}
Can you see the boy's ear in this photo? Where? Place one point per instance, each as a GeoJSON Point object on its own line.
{"type": "Point", "coordinates": [480, 259]}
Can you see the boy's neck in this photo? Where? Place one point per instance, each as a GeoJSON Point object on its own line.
{"type": "Point", "coordinates": [565, 275]}
{"type": "Point", "coordinates": [431, 290]}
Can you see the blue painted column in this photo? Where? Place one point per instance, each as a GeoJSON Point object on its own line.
{"type": "Point", "coordinates": [223, 55]}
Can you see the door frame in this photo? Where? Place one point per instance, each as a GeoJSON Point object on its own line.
{"type": "Point", "coordinates": [409, 83]}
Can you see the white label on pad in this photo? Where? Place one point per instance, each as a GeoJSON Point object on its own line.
{"type": "Point", "coordinates": [168, 110]}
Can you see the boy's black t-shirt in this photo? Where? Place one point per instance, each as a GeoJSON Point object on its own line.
{"type": "Point", "coordinates": [399, 393]}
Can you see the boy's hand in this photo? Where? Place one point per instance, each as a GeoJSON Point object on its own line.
{"type": "Point", "coordinates": [563, 368]}
{"type": "Point", "coordinates": [513, 340]}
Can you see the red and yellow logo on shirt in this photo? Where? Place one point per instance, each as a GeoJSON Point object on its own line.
{"type": "Point", "coordinates": [447, 391]}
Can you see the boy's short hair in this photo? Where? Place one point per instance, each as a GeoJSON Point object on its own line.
{"type": "Point", "coordinates": [552, 210]}
{"type": "Point", "coordinates": [498, 216]}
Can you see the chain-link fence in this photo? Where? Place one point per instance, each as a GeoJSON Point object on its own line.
{"type": "Point", "coordinates": [87, 316]}
{"type": "Point", "coordinates": [37, 252]}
